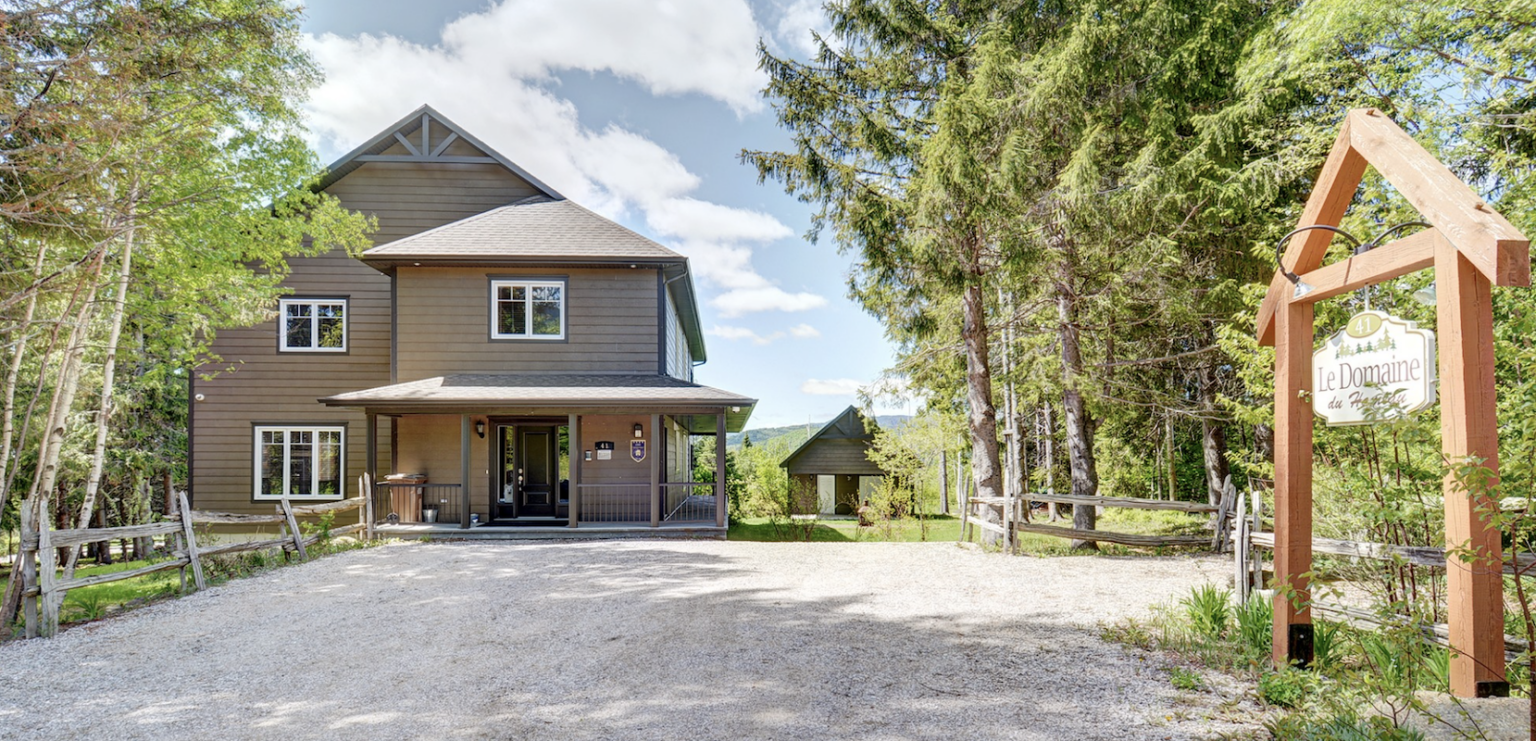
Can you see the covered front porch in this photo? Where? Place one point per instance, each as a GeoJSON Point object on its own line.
{"type": "Point", "coordinates": [488, 456]}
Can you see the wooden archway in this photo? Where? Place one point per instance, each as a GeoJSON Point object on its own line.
{"type": "Point", "coordinates": [1471, 248]}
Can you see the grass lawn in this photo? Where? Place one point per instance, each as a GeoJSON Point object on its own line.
{"type": "Point", "coordinates": [947, 528]}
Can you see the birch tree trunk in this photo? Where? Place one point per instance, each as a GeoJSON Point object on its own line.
{"type": "Point", "coordinates": [944, 481]}
{"type": "Point", "coordinates": [12, 377]}
{"type": "Point", "coordinates": [52, 444]}
{"type": "Point", "coordinates": [104, 416]}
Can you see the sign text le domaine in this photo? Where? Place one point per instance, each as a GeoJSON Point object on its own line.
{"type": "Point", "coordinates": [1377, 368]}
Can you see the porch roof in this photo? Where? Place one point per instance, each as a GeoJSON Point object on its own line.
{"type": "Point", "coordinates": [482, 393]}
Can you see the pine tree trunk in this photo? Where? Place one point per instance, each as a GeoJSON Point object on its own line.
{"type": "Point", "coordinates": [1213, 439]}
{"type": "Point", "coordinates": [1084, 468]}
{"type": "Point", "coordinates": [983, 416]}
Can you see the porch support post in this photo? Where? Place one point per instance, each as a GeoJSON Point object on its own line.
{"type": "Point", "coordinates": [372, 447]}
{"type": "Point", "coordinates": [654, 451]}
{"type": "Point", "coordinates": [720, 469]}
{"type": "Point", "coordinates": [464, 471]}
{"type": "Point", "coordinates": [1292, 634]}
{"type": "Point", "coordinates": [1474, 559]}
{"type": "Point", "coordinates": [573, 433]}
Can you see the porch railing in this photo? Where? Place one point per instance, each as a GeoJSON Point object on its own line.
{"type": "Point", "coordinates": [416, 503]}
{"type": "Point", "coordinates": [688, 502]}
{"type": "Point", "coordinates": [615, 502]}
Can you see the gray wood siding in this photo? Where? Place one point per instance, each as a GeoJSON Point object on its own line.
{"type": "Point", "coordinates": [265, 386]}
{"type": "Point", "coordinates": [835, 457]}
{"type": "Point", "coordinates": [679, 361]}
{"type": "Point", "coordinates": [443, 324]}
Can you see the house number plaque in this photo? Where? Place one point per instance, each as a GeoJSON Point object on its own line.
{"type": "Point", "coordinates": [1379, 367]}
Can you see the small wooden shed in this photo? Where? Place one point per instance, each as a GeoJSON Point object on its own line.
{"type": "Point", "coordinates": [834, 464]}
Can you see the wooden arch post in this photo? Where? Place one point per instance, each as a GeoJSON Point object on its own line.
{"type": "Point", "coordinates": [1472, 248]}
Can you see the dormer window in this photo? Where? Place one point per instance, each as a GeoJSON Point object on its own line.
{"type": "Point", "coordinates": [527, 309]}
{"type": "Point", "coordinates": [312, 325]}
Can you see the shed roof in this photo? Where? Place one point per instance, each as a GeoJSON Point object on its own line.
{"type": "Point", "coordinates": [551, 391]}
{"type": "Point", "coordinates": [850, 425]}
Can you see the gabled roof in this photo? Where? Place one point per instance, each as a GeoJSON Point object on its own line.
{"type": "Point", "coordinates": [551, 390]}
{"type": "Point", "coordinates": [533, 228]}
{"type": "Point", "coordinates": [851, 424]}
{"type": "Point", "coordinates": [414, 133]}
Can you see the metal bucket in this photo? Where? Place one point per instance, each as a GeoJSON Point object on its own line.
{"type": "Point", "coordinates": [429, 514]}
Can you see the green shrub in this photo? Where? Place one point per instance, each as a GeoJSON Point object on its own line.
{"type": "Point", "coordinates": [1338, 728]}
{"type": "Point", "coordinates": [1326, 645]}
{"type": "Point", "coordinates": [1209, 610]}
{"type": "Point", "coordinates": [1286, 688]}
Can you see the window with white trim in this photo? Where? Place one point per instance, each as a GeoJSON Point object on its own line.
{"type": "Point", "coordinates": [312, 325]}
{"type": "Point", "coordinates": [300, 462]}
{"type": "Point", "coordinates": [527, 310]}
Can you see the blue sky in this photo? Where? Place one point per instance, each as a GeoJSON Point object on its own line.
{"type": "Point", "coordinates": [637, 110]}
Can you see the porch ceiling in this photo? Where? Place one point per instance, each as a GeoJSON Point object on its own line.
{"type": "Point", "coordinates": [482, 393]}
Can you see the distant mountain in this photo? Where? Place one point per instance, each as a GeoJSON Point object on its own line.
{"type": "Point", "coordinates": [794, 435]}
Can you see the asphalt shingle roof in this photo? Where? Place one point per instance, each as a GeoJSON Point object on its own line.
{"type": "Point", "coordinates": [537, 227]}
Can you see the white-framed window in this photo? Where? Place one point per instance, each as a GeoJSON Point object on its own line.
{"type": "Point", "coordinates": [312, 325]}
{"type": "Point", "coordinates": [527, 309]}
{"type": "Point", "coordinates": [300, 461]}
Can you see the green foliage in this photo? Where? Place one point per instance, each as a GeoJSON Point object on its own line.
{"type": "Point", "coordinates": [1185, 679]}
{"type": "Point", "coordinates": [1255, 624]}
{"type": "Point", "coordinates": [1346, 727]}
{"type": "Point", "coordinates": [1285, 687]}
{"type": "Point", "coordinates": [1209, 610]}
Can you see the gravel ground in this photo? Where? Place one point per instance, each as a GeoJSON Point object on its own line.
{"type": "Point", "coordinates": [637, 639]}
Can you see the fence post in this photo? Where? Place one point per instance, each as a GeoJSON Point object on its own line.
{"type": "Point", "coordinates": [193, 560]}
{"type": "Point", "coordinates": [965, 518]}
{"type": "Point", "coordinates": [47, 565]}
{"type": "Point", "coordinates": [1240, 549]}
{"type": "Point", "coordinates": [28, 563]}
{"type": "Point", "coordinates": [293, 527]}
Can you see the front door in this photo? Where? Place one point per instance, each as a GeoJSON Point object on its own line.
{"type": "Point", "coordinates": [538, 463]}
{"type": "Point", "coordinates": [530, 459]}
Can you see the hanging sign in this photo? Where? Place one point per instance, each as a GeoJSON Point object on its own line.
{"type": "Point", "coordinates": [1377, 368]}
{"type": "Point", "coordinates": [637, 450]}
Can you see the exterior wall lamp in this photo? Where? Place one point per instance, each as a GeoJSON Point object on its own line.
{"type": "Point", "coordinates": [639, 430]}
{"type": "Point", "coordinates": [480, 428]}
{"type": "Point", "coordinates": [1302, 287]}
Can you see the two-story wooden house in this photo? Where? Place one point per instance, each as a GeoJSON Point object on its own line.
{"type": "Point", "coordinates": [529, 361]}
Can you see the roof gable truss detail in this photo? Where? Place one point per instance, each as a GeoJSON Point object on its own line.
{"type": "Point", "coordinates": [415, 135]}
{"type": "Point", "coordinates": [1368, 137]}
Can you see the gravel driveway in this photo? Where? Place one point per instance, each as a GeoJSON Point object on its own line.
{"type": "Point", "coordinates": [629, 639]}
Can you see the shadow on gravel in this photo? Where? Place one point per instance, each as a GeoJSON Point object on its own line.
{"type": "Point", "coordinates": [567, 641]}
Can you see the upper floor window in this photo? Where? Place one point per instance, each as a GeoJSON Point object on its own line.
{"type": "Point", "coordinates": [313, 325]}
{"type": "Point", "coordinates": [527, 310]}
{"type": "Point", "coordinates": [301, 461]}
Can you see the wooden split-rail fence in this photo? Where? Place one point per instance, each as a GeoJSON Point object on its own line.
{"type": "Point", "coordinates": [1249, 538]}
{"type": "Point", "coordinates": [43, 592]}
{"type": "Point", "coordinates": [1005, 517]}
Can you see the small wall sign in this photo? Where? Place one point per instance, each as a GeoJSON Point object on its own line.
{"type": "Point", "coordinates": [637, 450]}
{"type": "Point", "coordinates": [1377, 368]}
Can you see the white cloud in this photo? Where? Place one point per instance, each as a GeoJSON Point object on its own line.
{"type": "Point", "coordinates": [678, 46]}
{"type": "Point", "coordinates": [831, 387]}
{"type": "Point", "coordinates": [741, 301]}
{"type": "Point", "coordinates": [797, 19]}
{"type": "Point", "coordinates": [488, 72]}
{"type": "Point", "coordinates": [725, 331]}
